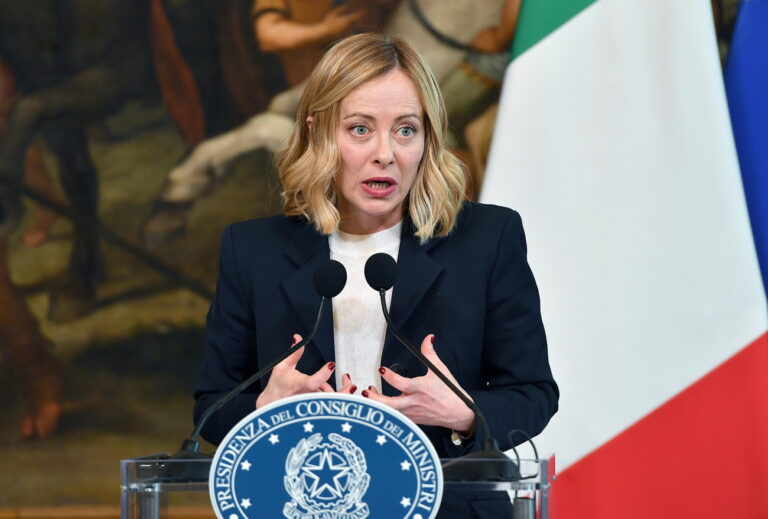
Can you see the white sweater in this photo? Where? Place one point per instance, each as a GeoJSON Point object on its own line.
{"type": "Point", "coordinates": [359, 328]}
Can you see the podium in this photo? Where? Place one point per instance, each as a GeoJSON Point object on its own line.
{"type": "Point", "coordinates": [155, 487]}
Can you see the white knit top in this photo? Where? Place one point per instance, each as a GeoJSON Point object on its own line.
{"type": "Point", "coordinates": [359, 327]}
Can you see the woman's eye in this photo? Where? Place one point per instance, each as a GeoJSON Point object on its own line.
{"type": "Point", "coordinates": [359, 130]}
{"type": "Point", "coordinates": [407, 131]}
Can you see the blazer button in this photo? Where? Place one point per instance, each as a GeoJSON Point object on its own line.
{"type": "Point", "coordinates": [399, 369]}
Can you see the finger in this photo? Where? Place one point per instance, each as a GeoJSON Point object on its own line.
{"type": "Point", "coordinates": [320, 376]}
{"type": "Point", "coordinates": [403, 384]}
{"type": "Point", "coordinates": [428, 350]}
{"type": "Point", "coordinates": [325, 388]}
{"type": "Point", "coordinates": [428, 346]}
{"type": "Point", "coordinates": [294, 357]}
{"type": "Point", "coordinates": [291, 360]}
{"type": "Point", "coordinates": [346, 385]}
{"type": "Point", "coordinates": [395, 402]}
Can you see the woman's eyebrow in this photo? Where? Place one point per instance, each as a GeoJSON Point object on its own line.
{"type": "Point", "coordinates": [408, 116]}
{"type": "Point", "coordinates": [358, 114]}
{"type": "Point", "coordinates": [371, 118]}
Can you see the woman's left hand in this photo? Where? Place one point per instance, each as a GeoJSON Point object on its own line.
{"type": "Point", "coordinates": [426, 400]}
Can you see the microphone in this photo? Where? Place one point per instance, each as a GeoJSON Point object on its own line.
{"type": "Point", "coordinates": [329, 280]}
{"type": "Point", "coordinates": [380, 273]}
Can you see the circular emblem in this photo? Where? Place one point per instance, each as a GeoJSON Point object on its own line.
{"type": "Point", "coordinates": [326, 456]}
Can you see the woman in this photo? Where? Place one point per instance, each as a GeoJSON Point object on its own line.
{"type": "Point", "coordinates": [364, 172]}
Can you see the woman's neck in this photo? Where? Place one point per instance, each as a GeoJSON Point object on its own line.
{"type": "Point", "coordinates": [368, 226]}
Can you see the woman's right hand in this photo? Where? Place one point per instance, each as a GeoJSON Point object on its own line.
{"type": "Point", "coordinates": [286, 380]}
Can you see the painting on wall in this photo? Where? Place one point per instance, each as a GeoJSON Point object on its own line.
{"type": "Point", "coordinates": [131, 133]}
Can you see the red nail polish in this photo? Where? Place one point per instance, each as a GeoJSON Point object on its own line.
{"type": "Point", "coordinates": [432, 340]}
{"type": "Point", "coordinates": [353, 389]}
{"type": "Point", "coordinates": [331, 366]}
{"type": "Point", "coordinates": [381, 370]}
{"type": "Point", "coordinates": [365, 393]}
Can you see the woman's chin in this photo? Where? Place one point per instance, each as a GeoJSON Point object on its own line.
{"type": "Point", "coordinates": [371, 217]}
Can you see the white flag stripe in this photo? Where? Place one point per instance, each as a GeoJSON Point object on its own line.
{"type": "Point", "coordinates": [613, 141]}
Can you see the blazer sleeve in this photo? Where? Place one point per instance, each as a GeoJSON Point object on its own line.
{"type": "Point", "coordinates": [519, 391]}
{"type": "Point", "coordinates": [230, 348]}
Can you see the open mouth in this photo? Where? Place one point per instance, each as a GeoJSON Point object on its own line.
{"type": "Point", "coordinates": [379, 187]}
{"type": "Point", "coordinates": [378, 184]}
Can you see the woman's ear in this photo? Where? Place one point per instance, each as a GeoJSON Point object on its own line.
{"type": "Point", "coordinates": [309, 120]}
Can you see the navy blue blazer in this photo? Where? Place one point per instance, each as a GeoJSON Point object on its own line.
{"type": "Point", "coordinates": [473, 289]}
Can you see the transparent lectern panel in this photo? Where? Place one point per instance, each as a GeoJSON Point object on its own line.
{"type": "Point", "coordinates": [155, 487]}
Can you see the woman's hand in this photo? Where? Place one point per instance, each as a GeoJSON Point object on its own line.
{"type": "Point", "coordinates": [426, 400]}
{"type": "Point", "coordinates": [286, 380]}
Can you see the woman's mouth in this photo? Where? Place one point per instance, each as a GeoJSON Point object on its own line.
{"type": "Point", "coordinates": [379, 187]}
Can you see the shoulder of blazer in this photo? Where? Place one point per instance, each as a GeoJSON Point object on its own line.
{"type": "Point", "coordinates": [474, 214]}
{"type": "Point", "coordinates": [480, 221]}
{"type": "Point", "coordinates": [250, 231]}
{"type": "Point", "coordinates": [277, 238]}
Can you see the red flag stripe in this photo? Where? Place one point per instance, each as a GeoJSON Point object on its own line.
{"type": "Point", "coordinates": [702, 454]}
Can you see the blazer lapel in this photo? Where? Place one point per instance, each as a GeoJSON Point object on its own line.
{"type": "Point", "coordinates": [307, 250]}
{"type": "Point", "coordinates": [416, 273]}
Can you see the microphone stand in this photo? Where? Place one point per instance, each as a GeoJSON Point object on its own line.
{"type": "Point", "coordinates": [498, 466]}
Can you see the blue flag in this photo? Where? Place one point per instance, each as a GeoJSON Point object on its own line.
{"type": "Point", "coordinates": [746, 81]}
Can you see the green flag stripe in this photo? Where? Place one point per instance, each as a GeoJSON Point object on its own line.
{"type": "Point", "coordinates": [539, 18]}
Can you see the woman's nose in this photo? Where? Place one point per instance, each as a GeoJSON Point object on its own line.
{"type": "Point", "coordinates": [384, 155]}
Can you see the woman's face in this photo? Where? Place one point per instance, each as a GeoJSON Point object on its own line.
{"type": "Point", "coordinates": [381, 141]}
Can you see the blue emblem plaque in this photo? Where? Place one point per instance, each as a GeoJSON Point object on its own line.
{"type": "Point", "coordinates": [326, 456]}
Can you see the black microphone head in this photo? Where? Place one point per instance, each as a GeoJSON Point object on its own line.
{"type": "Point", "coordinates": [381, 271]}
{"type": "Point", "coordinates": [330, 278]}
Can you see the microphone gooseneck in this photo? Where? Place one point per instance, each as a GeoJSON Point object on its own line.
{"type": "Point", "coordinates": [329, 280]}
{"type": "Point", "coordinates": [380, 273]}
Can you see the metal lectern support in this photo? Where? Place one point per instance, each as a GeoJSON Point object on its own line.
{"type": "Point", "coordinates": [544, 484]}
{"type": "Point", "coordinates": [150, 501]}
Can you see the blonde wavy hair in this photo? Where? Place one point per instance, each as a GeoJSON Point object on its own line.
{"type": "Point", "coordinates": [310, 163]}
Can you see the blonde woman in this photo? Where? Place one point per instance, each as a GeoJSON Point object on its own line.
{"type": "Point", "coordinates": [366, 171]}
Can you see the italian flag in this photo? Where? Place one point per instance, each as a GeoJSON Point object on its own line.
{"type": "Point", "coordinates": [614, 143]}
